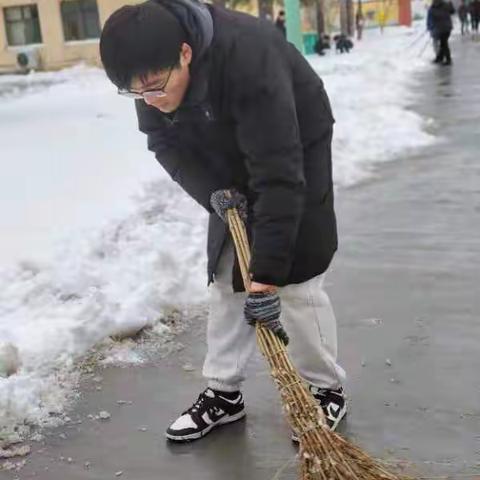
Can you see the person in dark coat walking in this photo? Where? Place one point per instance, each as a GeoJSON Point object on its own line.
{"type": "Point", "coordinates": [439, 21]}
{"type": "Point", "coordinates": [463, 12]}
{"type": "Point", "coordinates": [227, 103]}
{"type": "Point", "coordinates": [280, 22]}
{"type": "Point", "coordinates": [359, 21]}
{"type": "Point", "coordinates": [475, 15]}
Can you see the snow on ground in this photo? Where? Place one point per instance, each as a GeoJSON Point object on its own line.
{"type": "Point", "coordinates": [96, 239]}
{"type": "Point", "coordinates": [370, 94]}
{"type": "Point", "coordinates": [71, 157]}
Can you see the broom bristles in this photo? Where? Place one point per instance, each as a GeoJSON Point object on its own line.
{"type": "Point", "coordinates": [324, 455]}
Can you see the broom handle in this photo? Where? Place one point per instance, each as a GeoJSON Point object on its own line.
{"type": "Point", "coordinates": [240, 239]}
{"type": "Point", "coordinates": [264, 336]}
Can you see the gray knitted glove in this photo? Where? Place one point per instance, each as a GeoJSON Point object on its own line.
{"type": "Point", "coordinates": [221, 203]}
{"type": "Point", "coordinates": [265, 307]}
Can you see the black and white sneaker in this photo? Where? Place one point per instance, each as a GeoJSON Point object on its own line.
{"type": "Point", "coordinates": [213, 408]}
{"type": "Point", "coordinates": [333, 403]}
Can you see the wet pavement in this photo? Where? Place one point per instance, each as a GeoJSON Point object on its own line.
{"type": "Point", "coordinates": [405, 286]}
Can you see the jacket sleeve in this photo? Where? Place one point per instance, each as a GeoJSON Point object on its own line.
{"type": "Point", "coordinates": [175, 157]}
{"type": "Point", "coordinates": [268, 134]}
{"type": "Point", "coordinates": [429, 20]}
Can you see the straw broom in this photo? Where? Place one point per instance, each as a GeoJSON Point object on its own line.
{"type": "Point", "coordinates": [324, 455]}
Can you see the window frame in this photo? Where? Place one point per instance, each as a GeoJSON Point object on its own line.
{"type": "Point", "coordinates": [35, 25]}
{"type": "Point", "coordinates": [81, 14]}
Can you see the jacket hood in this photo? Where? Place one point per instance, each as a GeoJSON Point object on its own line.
{"type": "Point", "coordinates": [196, 20]}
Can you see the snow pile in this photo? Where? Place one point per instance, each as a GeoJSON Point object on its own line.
{"type": "Point", "coordinates": [71, 158]}
{"type": "Point", "coordinates": [119, 279]}
{"type": "Point", "coordinates": [75, 167]}
{"type": "Point", "coordinates": [370, 95]}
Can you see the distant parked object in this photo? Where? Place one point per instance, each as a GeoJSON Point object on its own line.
{"type": "Point", "coordinates": [323, 43]}
{"type": "Point", "coordinates": [342, 43]}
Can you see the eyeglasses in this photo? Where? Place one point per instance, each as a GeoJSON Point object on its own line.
{"type": "Point", "coordinates": [147, 94]}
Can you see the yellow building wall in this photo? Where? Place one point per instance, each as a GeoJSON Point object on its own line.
{"type": "Point", "coordinates": [376, 12]}
{"type": "Point", "coordinates": [380, 12]}
{"type": "Point", "coordinates": [54, 52]}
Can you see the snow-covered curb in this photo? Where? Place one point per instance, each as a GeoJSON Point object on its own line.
{"type": "Point", "coordinates": [371, 92]}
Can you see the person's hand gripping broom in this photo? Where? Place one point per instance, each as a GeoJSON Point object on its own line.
{"type": "Point", "coordinates": [324, 455]}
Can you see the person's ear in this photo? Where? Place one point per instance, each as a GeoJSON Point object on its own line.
{"type": "Point", "coordinates": [185, 55]}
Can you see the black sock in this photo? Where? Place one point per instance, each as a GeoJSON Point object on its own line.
{"type": "Point", "coordinates": [227, 395]}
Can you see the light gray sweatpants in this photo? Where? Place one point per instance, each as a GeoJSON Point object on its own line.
{"type": "Point", "coordinates": [307, 317]}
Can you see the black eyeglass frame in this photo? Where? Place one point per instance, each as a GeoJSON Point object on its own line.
{"type": "Point", "coordinates": [154, 92]}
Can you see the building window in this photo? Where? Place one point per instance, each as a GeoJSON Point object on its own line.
{"type": "Point", "coordinates": [80, 19]}
{"type": "Point", "coordinates": [22, 25]}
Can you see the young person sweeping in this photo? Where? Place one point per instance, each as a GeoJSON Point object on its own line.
{"type": "Point", "coordinates": [227, 103]}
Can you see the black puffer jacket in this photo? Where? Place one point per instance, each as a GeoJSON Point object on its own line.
{"type": "Point", "coordinates": [440, 17]}
{"type": "Point", "coordinates": [256, 117]}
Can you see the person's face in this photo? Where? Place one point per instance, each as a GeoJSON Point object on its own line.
{"type": "Point", "coordinates": [173, 81]}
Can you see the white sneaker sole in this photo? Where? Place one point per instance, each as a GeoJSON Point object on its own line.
{"type": "Point", "coordinates": [341, 415]}
{"type": "Point", "coordinates": [197, 435]}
